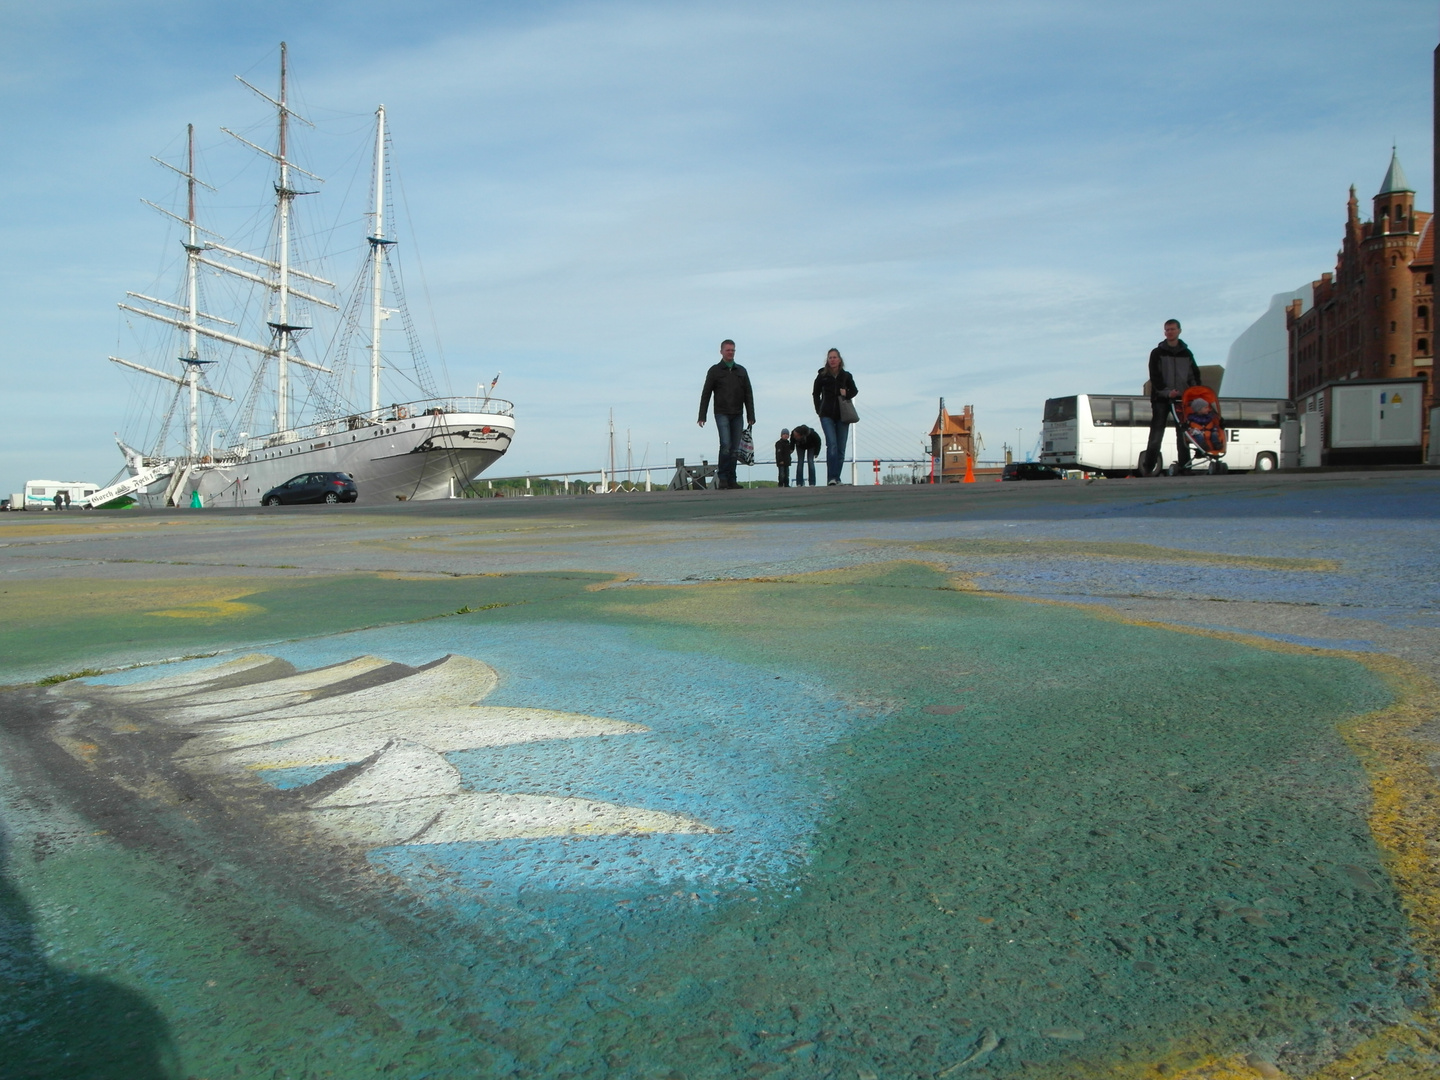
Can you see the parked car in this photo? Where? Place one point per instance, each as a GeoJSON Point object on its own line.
{"type": "Point", "coordinates": [1030, 470]}
{"type": "Point", "coordinates": [326, 487]}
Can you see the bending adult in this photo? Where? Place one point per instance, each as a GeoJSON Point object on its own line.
{"type": "Point", "coordinates": [833, 385]}
{"type": "Point", "coordinates": [730, 383]}
{"type": "Point", "coordinates": [806, 441]}
{"type": "Point", "coordinates": [1172, 371]}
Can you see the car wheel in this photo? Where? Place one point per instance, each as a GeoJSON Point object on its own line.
{"type": "Point", "coordinates": [1265, 463]}
{"type": "Point", "coordinates": [273, 500]}
{"type": "Point", "coordinates": [332, 497]}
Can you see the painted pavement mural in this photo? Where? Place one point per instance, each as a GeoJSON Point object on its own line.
{"type": "Point", "coordinates": [864, 822]}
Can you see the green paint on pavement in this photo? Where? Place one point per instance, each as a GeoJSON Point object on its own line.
{"type": "Point", "coordinates": [46, 627]}
{"type": "Point", "coordinates": [1114, 845]}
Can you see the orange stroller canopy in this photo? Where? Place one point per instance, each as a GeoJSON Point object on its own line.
{"type": "Point", "coordinates": [1204, 393]}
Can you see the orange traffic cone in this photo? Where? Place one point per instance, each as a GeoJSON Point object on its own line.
{"type": "Point", "coordinates": [969, 469]}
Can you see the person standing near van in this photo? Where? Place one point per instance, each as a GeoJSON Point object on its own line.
{"type": "Point", "coordinates": [833, 385]}
{"type": "Point", "coordinates": [730, 383]}
{"type": "Point", "coordinates": [1172, 371]}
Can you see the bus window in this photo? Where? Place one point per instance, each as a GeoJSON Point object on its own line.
{"type": "Point", "coordinates": [1102, 411]}
{"type": "Point", "coordinates": [1140, 411]}
{"type": "Point", "coordinates": [1060, 409]}
{"type": "Point", "coordinates": [1122, 411]}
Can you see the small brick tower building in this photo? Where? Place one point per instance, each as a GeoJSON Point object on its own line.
{"type": "Point", "coordinates": [1373, 317]}
{"type": "Point", "coordinates": [952, 443]}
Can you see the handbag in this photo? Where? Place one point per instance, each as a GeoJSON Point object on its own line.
{"type": "Point", "coordinates": [745, 452]}
{"type": "Point", "coordinates": [848, 415]}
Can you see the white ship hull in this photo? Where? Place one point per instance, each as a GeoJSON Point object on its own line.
{"type": "Point", "coordinates": [419, 457]}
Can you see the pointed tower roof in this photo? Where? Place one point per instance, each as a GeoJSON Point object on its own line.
{"type": "Point", "coordinates": [1394, 177]}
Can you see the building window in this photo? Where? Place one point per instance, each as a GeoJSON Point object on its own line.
{"type": "Point", "coordinates": [1430, 278]}
{"type": "Point", "coordinates": [1392, 291]}
{"type": "Point", "coordinates": [1392, 359]}
{"type": "Point", "coordinates": [1423, 346]}
{"type": "Point", "coordinates": [1392, 326]}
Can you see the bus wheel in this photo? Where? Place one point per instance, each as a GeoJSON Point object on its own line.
{"type": "Point", "coordinates": [1264, 462]}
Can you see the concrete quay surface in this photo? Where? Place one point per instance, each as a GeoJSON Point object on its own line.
{"type": "Point", "coordinates": [1112, 779]}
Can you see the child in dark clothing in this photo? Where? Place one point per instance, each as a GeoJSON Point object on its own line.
{"type": "Point", "coordinates": [782, 457]}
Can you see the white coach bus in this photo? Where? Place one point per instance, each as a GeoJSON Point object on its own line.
{"type": "Point", "coordinates": [1105, 433]}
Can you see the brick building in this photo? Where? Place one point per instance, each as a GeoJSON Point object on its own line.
{"type": "Point", "coordinates": [952, 444]}
{"type": "Point", "coordinates": [1373, 318]}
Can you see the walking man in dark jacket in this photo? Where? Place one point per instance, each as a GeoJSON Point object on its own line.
{"type": "Point", "coordinates": [1172, 372]}
{"type": "Point", "coordinates": [730, 383]}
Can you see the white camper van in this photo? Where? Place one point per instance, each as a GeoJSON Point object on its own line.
{"type": "Point", "coordinates": [40, 494]}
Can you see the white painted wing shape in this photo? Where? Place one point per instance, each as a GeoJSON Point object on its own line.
{"type": "Point", "coordinates": [448, 819]}
{"type": "Point", "coordinates": [236, 702]}
{"type": "Point", "coordinates": [408, 794]}
{"type": "Point", "coordinates": [285, 743]}
{"type": "Point", "coordinates": [187, 683]}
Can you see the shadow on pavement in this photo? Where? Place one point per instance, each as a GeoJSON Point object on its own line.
{"type": "Point", "coordinates": [61, 1025]}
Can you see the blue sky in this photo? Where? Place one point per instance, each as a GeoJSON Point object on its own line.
{"type": "Point", "coordinates": [993, 203]}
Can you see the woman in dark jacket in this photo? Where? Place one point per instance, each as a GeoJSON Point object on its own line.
{"type": "Point", "coordinates": [832, 384]}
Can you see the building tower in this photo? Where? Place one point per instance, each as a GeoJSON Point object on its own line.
{"type": "Point", "coordinates": [1389, 251]}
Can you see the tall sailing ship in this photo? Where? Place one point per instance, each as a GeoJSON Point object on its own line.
{"type": "Point", "coordinates": [428, 447]}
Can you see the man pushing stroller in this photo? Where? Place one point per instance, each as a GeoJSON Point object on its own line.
{"type": "Point", "coordinates": [1172, 371]}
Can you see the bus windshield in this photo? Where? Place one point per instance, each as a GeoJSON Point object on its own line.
{"type": "Point", "coordinates": [1060, 409]}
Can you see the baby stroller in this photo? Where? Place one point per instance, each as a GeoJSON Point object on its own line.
{"type": "Point", "coordinates": [1200, 424]}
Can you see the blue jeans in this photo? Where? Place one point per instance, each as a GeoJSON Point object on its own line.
{"type": "Point", "coordinates": [837, 434]}
{"type": "Point", "coordinates": [802, 457]}
{"type": "Point", "coordinates": [731, 428]}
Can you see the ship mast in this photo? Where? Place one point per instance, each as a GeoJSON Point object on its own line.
{"type": "Point", "coordinates": [191, 359]}
{"type": "Point", "coordinates": [191, 308]}
{"type": "Point", "coordinates": [276, 275]}
{"type": "Point", "coordinates": [378, 246]}
{"type": "Point", "coordinates": [283, 330]}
